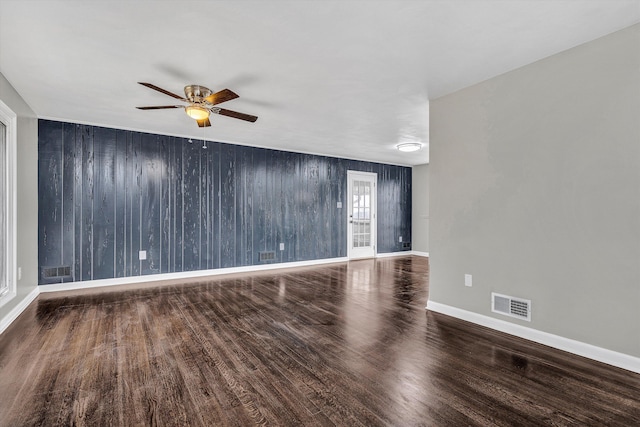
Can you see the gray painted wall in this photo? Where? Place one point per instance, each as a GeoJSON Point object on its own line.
{"type": "Point", "coordinates": [420, 208]}
{"type": "Point", "coordinates": [27, 197]}
{"type": "Point", "coordinates": [536, 193]}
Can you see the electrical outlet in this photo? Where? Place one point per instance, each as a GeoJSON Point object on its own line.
{"type": "Point", "coordinates": [282, 246]}
{"type": "Point", "coordinates": [400, 239]}
{"type": "Point", "coordinates": [142, 255]}
{"type": "Point", "coordinates": [467, 280]}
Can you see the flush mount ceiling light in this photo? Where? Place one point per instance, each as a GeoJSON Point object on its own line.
{"type": "Point", "coordinates": [407, 147]}
{"type": "Point", "coordinates": [196, 112]}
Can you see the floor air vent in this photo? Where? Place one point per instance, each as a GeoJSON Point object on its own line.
{"type": "Point", "coordinates": [56, 272]}
{"type": "Point", "coordinates": [511, 306]}
{"type": "Point", "coordinates": [265, 256]}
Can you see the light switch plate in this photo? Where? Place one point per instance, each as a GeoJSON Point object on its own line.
{"type": "Point", "coordinates": [142, 255]}
{"type": "Point", "coordinates": [467, 280]}
{"type": "Point", "coordinates": [339, 205]}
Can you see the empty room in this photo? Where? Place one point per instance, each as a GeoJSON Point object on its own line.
{"type": "Point", "coordinates": [300, 213]}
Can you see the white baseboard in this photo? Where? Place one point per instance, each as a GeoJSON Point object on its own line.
{"type": "Point", "coordinates": [393, 254]}
{"type": "Point", "coordinates": [18, 309]}
{"type": "Point", "coordinates": [403, 253]}
{"type": "Point", "coordinates": [86, 284]}
{"type": "Point", "coordinates": [600, 354]}
{"type": "Point", "coordinates": [418, 253]}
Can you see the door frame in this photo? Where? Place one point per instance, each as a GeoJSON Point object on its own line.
{"type": "Point", "coordinates": [10, 121]}
{"type": "Point", "coordinates": [372, 176]}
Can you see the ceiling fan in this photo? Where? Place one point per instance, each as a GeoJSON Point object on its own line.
{"type": "Point", "coordinates": [201, 103]}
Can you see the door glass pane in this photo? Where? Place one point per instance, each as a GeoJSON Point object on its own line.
{"type": "Point", "coordinates": [361, 211]}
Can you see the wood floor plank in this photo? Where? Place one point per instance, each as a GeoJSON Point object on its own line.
{"type": "Point", "coordinates": [262, 375]}
{"type": "Point", "coordinates": [339, 344]}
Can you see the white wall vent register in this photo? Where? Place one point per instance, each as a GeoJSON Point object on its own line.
{"type": "Point", "coordinates": [511, 306]}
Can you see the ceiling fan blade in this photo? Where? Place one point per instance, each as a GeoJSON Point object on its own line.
{"type": "Point", "coordinates": [159, 89]}
{"type": "Point", "coordinates": [204, 123]}
{"type": "Point", "coordinates": [222, 96]}
{"type": "Point", "coordinates": [160, 107]}
{"type": "Point", "coordinates": [234, 114]}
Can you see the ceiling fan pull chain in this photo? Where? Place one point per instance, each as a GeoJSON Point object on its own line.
{"type": "Point", "coordinates": [204, 141]}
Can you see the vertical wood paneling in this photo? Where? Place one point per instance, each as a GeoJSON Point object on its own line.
{"type": "Point", "coordinates": [77, 198]}
{"type": "Point", "coordinates": [104, 203]}
{"type": "Point", "coordinates": [244, 213]}
{"type": "Point", "coordinates": [258, 190]}
{"type": "Point", "coordinates": [279, 158]}
{"type": "Point", "coordinates": [300, 195]}
{"type": "Point", "coordinates": [50, 189]}
{"type": "Point", "coordinates": [388, 210]}
{"type": "Point", "coordinates": [177, 166]}
{"type": "Point", "coordinates": [86, 213]}
{"type": "Point", "coordinates": [214, 197]}
{"type": "Point", "coordinates": [204, 208]}
{"type": "Point", "coordinates": [166, 203]}
{"type": "Point", "coordinates": [311, 192]}
{"type": "Point", "coordinates": [107, 194]}
{"type": "Point", "coordinates": [338, 218]}
{"type": "Point", "coordinates": [135, 185]}
{"type": "Point", "coordinates": [120, 196]}
{"type": "Point", "coordinates": [268, 232]}
{"type": "Point", "coordinates": [289, 182]}
{"type": "Point", "coordinates": [191, 206]}
{"type": "Point", "coordinates": [68, 170]}
{"type": "Point", "coordinates": [324, 209]}
{"type": "Point", "coordinates": [407, 202]}
{"type": "Point", "coordinates": [228, 203]}
{"type": "Point", "coordinates": [239, 212]}
{"type": "Point", "coordinates": [150, 204]}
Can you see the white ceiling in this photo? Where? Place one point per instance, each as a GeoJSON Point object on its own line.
{"type": "Point", "coordinates": [341, 78]}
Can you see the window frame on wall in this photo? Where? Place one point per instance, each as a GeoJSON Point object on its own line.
{"type": "Point", "coordinates": [8, 168]}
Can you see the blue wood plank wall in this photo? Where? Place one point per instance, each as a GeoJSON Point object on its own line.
{"type": "Point", "coordinates": [105, 194]}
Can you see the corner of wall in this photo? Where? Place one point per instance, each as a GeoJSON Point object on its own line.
{"type": "Point", "coordinates": [420, 208]}
{"type": "Point", "coordinates": [27, 201]}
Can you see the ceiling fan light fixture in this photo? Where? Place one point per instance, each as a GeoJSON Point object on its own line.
{"type": "Point", "coordinates": [196, 112]}
{"type": "Point", "coordinates": [408, 147]}
{"type": "Point", "coordinates": [200, 103]}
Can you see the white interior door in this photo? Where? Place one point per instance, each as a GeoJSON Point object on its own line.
{"type": "Point", "coordinates": [362, 224]}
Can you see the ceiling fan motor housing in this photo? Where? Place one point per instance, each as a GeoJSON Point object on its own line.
{"type": "Point", "coordinates": [196, 93]}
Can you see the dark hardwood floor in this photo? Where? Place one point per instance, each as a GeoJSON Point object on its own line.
{"type": "Point", "coordinates": [343, 344]}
